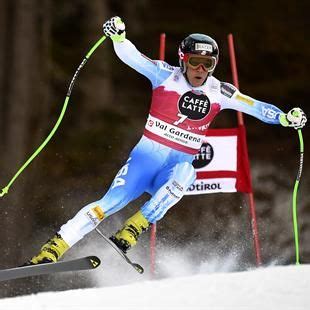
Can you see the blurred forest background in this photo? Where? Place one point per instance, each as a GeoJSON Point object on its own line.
{"type": "Point", "coordinates": [43, 42]}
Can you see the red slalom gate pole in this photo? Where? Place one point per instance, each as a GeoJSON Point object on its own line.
{"type": "Point", "coordinates": [162, 48]}
{"type": "Point", "coordinates": [234, 71]}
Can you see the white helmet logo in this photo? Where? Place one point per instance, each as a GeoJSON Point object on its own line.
{"type": "Point", "coordinates": [203, 47]}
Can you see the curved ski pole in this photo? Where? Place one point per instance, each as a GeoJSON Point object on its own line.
{"type": "Point", "coordinates": [5, 190]}
{"type": "Point", "coordinates": [295, 222]}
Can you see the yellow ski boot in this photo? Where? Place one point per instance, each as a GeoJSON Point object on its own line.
{"type": "Point", "coordinates": [50, 251]}
{"type": "Point", "coordinates": [129, 234]}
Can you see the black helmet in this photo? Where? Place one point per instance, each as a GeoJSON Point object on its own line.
{"type": "Point", "coordinates": [199, 44]}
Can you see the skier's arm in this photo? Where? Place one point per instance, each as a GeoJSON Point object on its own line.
{"type": "Point", "coordinates": [268, 113]}
{"type": "Point", "coordinates": [155, 71]}
{"type": "Point", "coordinates": [232, 99]}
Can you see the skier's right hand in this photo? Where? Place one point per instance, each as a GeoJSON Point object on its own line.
{"type": "Point", "coordinates": [115, 29]}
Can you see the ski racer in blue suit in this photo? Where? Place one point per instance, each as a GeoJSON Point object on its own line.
{"type": "Point", "coordinates": [185, 100]}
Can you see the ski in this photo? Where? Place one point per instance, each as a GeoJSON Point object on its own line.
{"type": "Point", "coordinates": [84, 263]}
{"type": "Point", "coordinates": [136, 266]}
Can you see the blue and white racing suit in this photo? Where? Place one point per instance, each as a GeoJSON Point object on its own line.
{"type": "Point", "coordinates": [161, 163]}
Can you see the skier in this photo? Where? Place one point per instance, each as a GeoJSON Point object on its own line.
{"type": "Point", "coordinates": [185, 100]}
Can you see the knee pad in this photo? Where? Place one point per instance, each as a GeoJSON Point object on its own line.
{"type": "Point", "coordinates": [182, 176]}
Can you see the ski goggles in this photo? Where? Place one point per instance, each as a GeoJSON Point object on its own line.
{"type": "Point", "coordinates": [208, 63]}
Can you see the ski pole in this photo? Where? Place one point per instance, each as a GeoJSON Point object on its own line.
{"type": "Point", "coordinates": [5, 190]}
{"type": "Point", "coordinates": [295, 222]}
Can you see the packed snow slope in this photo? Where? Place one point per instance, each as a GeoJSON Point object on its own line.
{"type": "Point", "coordinates": [285, 287]}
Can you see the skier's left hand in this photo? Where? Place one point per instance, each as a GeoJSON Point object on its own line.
{"type": "Point", "coordinates": [115, 29]}
{"type": "Point", "coordinates": [294, 118]}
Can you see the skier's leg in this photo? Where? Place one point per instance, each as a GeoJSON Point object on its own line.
{"type": "Point", "coordinates": [130, 182]}
{"type": "Point", "coordinates": [171, 186]}
{"type": "Point", "coordinates": [180, 177]}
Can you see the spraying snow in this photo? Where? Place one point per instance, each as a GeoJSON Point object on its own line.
{"type": "Point", "coordinates": [265, 288]}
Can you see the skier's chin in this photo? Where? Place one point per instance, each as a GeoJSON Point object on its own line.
{"type": "Point", "coordinates": [197, 81]}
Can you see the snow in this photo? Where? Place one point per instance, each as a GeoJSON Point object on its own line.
{"type": "Point", "coordinates": [277, 287]}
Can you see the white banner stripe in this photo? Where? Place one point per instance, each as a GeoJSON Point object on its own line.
{"type": "Point", "coordinates": [210, 186]}
{"type": "Point", "coordinates": [173, 133]}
